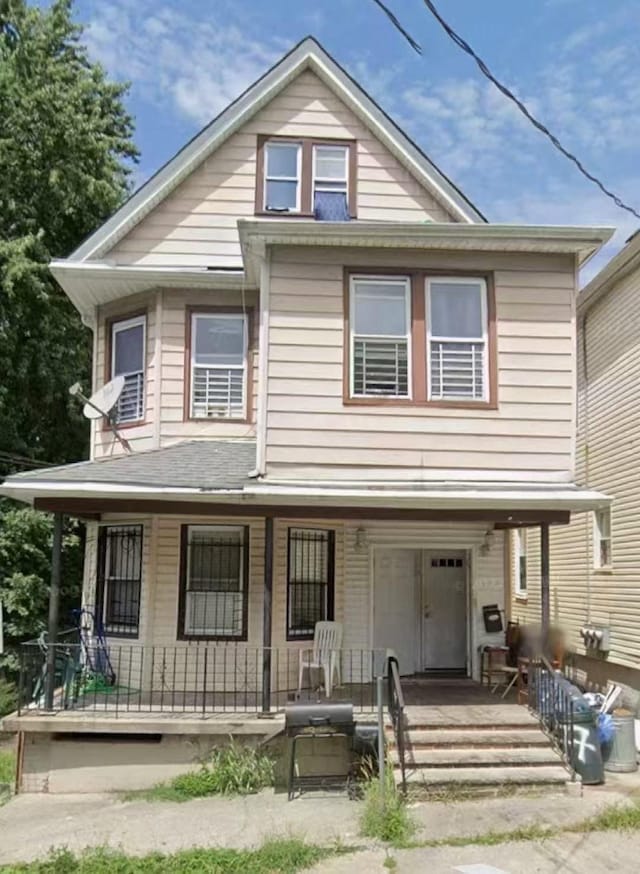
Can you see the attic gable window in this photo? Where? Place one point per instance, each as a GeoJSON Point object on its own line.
{"type": "Point", "coordinates": [282, 177]}
{"type": "Point", "coordinates": [306, 178]}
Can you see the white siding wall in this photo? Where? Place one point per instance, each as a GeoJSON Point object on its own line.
{"type": "Point", "coordinates": [196, 224]}
{"type": "Point", "coordinates": [529, 436]}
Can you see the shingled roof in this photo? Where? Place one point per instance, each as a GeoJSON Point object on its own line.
{"type": "Point", "coordinates": [199, 464]}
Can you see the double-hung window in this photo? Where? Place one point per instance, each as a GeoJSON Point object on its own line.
{"type": "Point", "coordinates": [218, 365]}
{"type": "Point", "coordinates": [520, 542]}
{"type": "Point", "coordinates": [119, 579]}
{"type": "Point", "coordinates": [214, 581]}
{"type": "Point", "coordinates": [602, 538]}
{"type": "Point", "coordinates": [128, 360]}
{"type": "Point", "coordinates": [457, 342]}
{"type": "Point", "coordinates": [331, 182]}
{"type": "Point", "coordinates": [310, 580]}
{"type": "Point", "coordinates": [282, 176]}
{"type": "Point", "coordinates": [380, 341]}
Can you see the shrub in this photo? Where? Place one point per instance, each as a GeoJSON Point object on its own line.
{"type": "Point", "coordinates": [385, 815]}
{"type": "Point", "coordinates": [8, 697]}
{"type": "Point", "coordinates": [231, 770]}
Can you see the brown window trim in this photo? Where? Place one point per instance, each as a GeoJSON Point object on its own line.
{"type": "Point", "coordinates": [419, 363]}
{"type": "Point", "coordinates": [247, 419]}
{"type": "Point", "coordinates": [108, 358]}
{"type": "Point", "coordinates": [306, 175]}
{"type": "Point", "coordinates": [331, 578]}
{"type": "Point", "coordinates": [182, 587]}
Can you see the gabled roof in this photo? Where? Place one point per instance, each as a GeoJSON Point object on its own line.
{"type": "Point", "coordinates": [627, 260]}
{"type": "Point", "coordinates": [308, 54]}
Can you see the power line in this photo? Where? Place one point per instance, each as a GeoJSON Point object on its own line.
{"type": "Point", "coordinates": [484, 69]}
{"type": "Point", "coordinates": [396, 23]}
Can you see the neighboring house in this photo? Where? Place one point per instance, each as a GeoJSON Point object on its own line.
{"type": "Point", "coordinates": [595, 580]}
{"type": "Point", "coordinates": [342, 386]}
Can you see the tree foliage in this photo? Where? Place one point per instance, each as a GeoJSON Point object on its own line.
{"type": "Point", "coordinates": [65, 156]}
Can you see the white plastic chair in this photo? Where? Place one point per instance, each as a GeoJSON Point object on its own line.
{"type": "Point", "coordinates": [324, 656]}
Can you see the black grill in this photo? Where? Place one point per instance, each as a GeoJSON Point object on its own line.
{"type": "Point", "coordinates": [323, 722]}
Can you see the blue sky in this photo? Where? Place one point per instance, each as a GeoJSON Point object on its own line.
{"type": "Point", "coordinates": [576, 63]}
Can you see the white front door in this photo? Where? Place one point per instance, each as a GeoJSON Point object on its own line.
{"type": "Point", "coordinates": [396, 604]}
{"type": "Point", "coordinates": [444, 612]}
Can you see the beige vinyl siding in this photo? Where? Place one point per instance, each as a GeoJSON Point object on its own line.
{"type": "Point", "coordinates": [196, 223]}
{"type": "Point", "coordinates": [353, 587]}
{"type": "Point", "coordinates": [529, 436]}
{"type": "Point", "coordinates": [608, 425]}
{"type": "Point", "coordinates": [165, 421]}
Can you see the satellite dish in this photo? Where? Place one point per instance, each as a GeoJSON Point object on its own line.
{"type": "Point", "coordinates": [99, 405]}
{"type": "Point", "coordinates": [104, 400]}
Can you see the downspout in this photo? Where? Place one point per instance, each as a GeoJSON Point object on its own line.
{"type": "Point", "coordinates": [157, 373]}
{"type": "Point", "coordinates": [263, 369]}
{"type": "Point", "coordinates": [585, 405]}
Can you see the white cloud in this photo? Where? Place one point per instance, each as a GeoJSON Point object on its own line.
{"type": "Point", "coordinates": [195, 65]}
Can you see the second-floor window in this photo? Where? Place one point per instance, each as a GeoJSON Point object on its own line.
{"type": "Point", "coordinates": [380, 322]}
{"type": "Point", "coordinates": [128, 339]}
{"type": "Point", "coordinates": [218, 365]}
{"type": "Point", "coordinates": [457, 338]}
{"type": "Point", "coordinates": [421, 339]}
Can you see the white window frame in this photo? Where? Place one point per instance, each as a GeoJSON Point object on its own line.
{"type": "Point", "coordinates": [484, 338]}
{"type": "Point", "coordinates": [520, 541]}
{"type": "Point", "coordinates": [317, 182]}
{"type": "Point", "coordinates": [598, 538]}
{"type": "Point", "coordinates": [277, 144]}
{"type": "Point", "coordinates": [123, 325]}
{"type": "Point", "coordinates": [242, 586]}
{"type": "Point", "coordinates": [380, 280]}
{"type": "Point", "coordinates": [244, 366]}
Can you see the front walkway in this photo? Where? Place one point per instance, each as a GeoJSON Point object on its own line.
{"type": "Point", "coordinates": [32, 824]}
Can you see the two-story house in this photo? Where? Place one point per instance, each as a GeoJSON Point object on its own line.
{"type": "Point", "coordinates": [342, 386]}
{"type": "Point", "coordinates": [596, 559]}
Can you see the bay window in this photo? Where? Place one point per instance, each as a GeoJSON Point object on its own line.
{"type": "Point", "coordinates": [128, 340]}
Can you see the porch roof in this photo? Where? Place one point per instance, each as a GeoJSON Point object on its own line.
{"type": "Point", "coordinates": [218, 477]}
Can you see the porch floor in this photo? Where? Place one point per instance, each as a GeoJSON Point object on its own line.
{"type": "Point", "coordinates": [427, 702]}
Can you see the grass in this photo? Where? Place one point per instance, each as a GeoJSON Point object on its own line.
{"type": "Point", "coordinates": [275, 857]}
{"type": "Point", "coordinates": [231, 770]}
{"type": "Point", "coordinates": [385, 815]}
{"type": "Point", "coordinates": [7, 765]}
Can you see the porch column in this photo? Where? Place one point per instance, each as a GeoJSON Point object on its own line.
{"type": "Point", "coordinates": [544, 582]}
{"type": "Point", "coordinates": [266, 614]}
{"type": "Point", "coordinates": [54, 607]}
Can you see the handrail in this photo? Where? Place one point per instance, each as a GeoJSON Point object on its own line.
{"type": "Point", "coordinates": [553, 704]}
{"type": "Point", "coordinates": [395, 704]}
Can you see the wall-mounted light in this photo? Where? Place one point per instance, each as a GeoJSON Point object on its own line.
{"type": "Point", "coordinates": [487, 543]}
{"type": "Point", "coordinates": [361, 539]}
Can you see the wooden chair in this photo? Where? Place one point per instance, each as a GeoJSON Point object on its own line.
{"type": "Point", "coordinates": [324, 656]}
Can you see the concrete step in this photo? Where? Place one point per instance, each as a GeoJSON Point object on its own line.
{"type": "Point", "coordinates": [481, 757]}
{"type": "Point", "coordinates": [426, 738]}
{"type": "Point", "coordinates": [472, 717]}
{"type": "Point", "coordinates": [550, 775]}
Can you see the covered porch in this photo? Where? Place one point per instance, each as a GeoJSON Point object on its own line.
{"type": "Point", "coordinates": [404, 569]}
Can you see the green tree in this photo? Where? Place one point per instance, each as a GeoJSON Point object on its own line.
{"type": "Point", "coordinates": [66, 152]}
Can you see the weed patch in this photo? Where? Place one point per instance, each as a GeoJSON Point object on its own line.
{"type": "Point", "coordinates": [232, 770]}
{"type": "Point", "coordinates": [385, 815]}
{"type": "Point", "coordinates": [275, 857]}
{"type": "Point", "coordinates": [7, 766]}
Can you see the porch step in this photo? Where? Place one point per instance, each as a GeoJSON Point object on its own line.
{"type": "Point", "coordinates": [429, 738]}
{"type": "Point", "coordinates": [479, 757]}
{"type": "Point", "coordinates": [474, 777]}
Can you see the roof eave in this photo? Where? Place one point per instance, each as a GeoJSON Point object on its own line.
{"type": "Point", "coordinates": [627, 260]}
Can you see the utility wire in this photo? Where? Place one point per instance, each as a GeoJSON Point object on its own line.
{"type": "Point", "coordinates": [484, 69]}
{"type": "Point", "coordinates": [396, 23]}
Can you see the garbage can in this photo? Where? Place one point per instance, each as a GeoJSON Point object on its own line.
{"type": "Point", "coordinates": [620, 753]}
{"type": "Point", "coordinates": [586, 757]}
